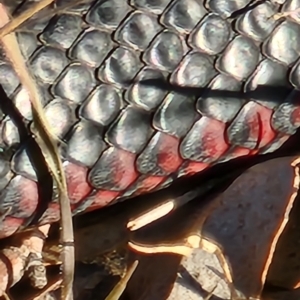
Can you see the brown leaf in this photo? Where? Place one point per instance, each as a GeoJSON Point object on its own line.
{"type": "Point", "coordinates": [250, 216]}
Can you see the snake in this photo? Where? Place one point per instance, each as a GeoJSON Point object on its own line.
{"type": "Point", "coordinates": [141, 93]}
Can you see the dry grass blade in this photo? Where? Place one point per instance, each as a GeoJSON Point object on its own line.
{"type": "Point", "coordinates": [27, 14]}
{"type": "Point", "coordinates": [150, 216]}
{"type": "Point", "coordinates": [118, 290]}
{"type": "Point", "coordinates": [184, 234]}
{"type": "Point", "coordinates": [159, 211]}
{"type": "Point", "coordinates": [210, 294]}
{"type": "Point", "coordinates": [286, 14]}
{"type": "Point", "coordinates": [48, 145]}
{"type": "Point", "coordinates": [6, 297]}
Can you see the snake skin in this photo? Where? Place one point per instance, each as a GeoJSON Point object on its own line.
{"type": "Point", "coordinates": [145, 91]}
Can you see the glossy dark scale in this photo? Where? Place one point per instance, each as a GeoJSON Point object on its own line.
{"type": "Point", "coordinates": [143, 92]}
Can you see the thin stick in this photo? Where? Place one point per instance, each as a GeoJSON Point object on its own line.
{"type": "Point", "coordinates": [48, 145]}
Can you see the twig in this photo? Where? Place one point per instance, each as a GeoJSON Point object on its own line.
{"type": "Point", "coordinates": [48, 145]}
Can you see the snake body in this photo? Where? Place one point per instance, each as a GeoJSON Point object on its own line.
{"type": "Point", "coordinates": [144, 92]}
